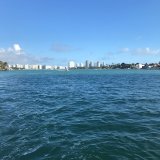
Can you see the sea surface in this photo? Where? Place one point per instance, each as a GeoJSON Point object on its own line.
{"type": "Point", "coordinates": [80, 115]}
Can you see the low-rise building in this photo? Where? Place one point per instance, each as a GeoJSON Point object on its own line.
{"type": "Point", "coordinates": [35, 67]}
{"type": "Point", "coordinates": [61, 67]}
{"type": "Point", "coordinates": [139, 66]}
{"type": "Point", "coordinates": [48, 67]}
{"type": "Point", "coordinates": [27, 66]}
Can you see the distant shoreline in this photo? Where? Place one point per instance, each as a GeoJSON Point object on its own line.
{"type": "Point", "coordinates": [77, 69]}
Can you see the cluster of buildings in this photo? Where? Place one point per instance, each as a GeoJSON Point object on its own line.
{"type": "Point", "coordinates": [86, 65]}
{"type": "Point", "coordinates": [34, 67]}
{"type": "Point", "coordinates": [135, 66]}
{"type": "Point", "coordinates": [71, 65]}
{"type": "Point", "coordinates": [99, 65]}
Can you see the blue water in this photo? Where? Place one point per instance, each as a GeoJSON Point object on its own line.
{"type": "Point", "coordinates": [80, 115]}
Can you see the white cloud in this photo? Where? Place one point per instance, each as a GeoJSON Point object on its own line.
{"type": "Point", "coordinates": [63, 48]}
{"type": "Point", "coordinates": [124, 50]}
{"type": "Point", "coordinates": [16, 54]}
{"type": "Point", "coordinates": [17, 48]}
{"type": "Point", "coordinates": [146, 51]}
{"type": "Point", "coordinates": [141, 51]}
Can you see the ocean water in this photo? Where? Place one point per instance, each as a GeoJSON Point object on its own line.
{"type": "Point", "coordinates": [80, 115]}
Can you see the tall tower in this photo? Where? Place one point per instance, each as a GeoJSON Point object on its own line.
{"type": "Point", "coordinates": [87, 64]}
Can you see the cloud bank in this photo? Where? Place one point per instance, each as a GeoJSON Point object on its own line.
{"type": "Point", "coordinates": [141, 51]}
{"type": "Point", "coordinates": [16, 55]}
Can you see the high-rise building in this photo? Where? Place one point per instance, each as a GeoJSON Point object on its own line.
{"type": "Point", "coordinates": [81, 65]}
{"type": "Point", "coordinates": [71, 64]}
{"type": "Point", "coordinates": [91, 64]}
{"type": "Point", "coordinates": [98, 64]}
{"type": "Point", "coordinates": [103, 64]}
{"type": "Point", "coordinates": [87, 64]}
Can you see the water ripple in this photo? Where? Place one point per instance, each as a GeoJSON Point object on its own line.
{"type": "Point", "coordinates": [80, 115]}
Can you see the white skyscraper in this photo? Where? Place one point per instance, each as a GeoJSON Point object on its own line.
{"type": "Point", "coordinates": [71, 64]}
{"type": "Point", "coordinates": [98, 64]}
{"type": "Point", "coordinates": [81, 65]}
{"type": "Point", "coordinates": [87, 64]}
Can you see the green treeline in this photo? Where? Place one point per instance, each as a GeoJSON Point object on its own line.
{"type": "Point", "coordinates": [3, 65]}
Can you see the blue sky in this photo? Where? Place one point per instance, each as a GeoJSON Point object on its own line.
{"type": "Point", "coordinates": [56, 31]}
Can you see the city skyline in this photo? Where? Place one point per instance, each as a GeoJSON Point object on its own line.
{"type": "Point", "coordinates": [55, 32]}
{"type": "Point", "coordinates": [86, 65]}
